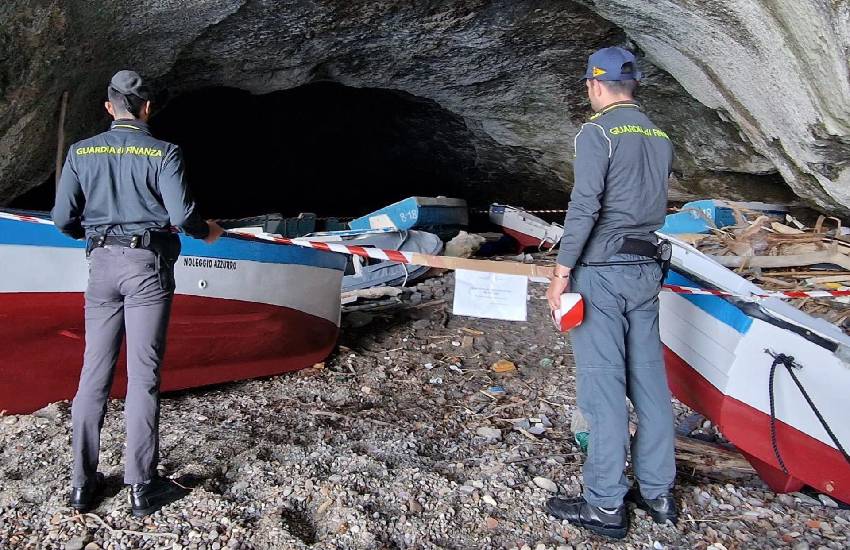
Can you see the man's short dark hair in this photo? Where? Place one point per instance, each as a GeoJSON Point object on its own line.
{"type": "Point", "coordinates": [621, 87]}
{"type": "Point", "coordinates": [129, 103]}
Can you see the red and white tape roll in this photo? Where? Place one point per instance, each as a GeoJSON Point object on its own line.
{"type": "Point", "coordinates": [570, 314]}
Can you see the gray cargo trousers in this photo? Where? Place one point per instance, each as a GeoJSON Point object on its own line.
{"type": "Point", "coordinates": [618, 354]}
{"type": "Point", "coordinates": [124, 293]}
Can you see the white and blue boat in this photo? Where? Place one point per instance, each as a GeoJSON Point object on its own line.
{"type": "Point", "coordinates": [719, 354]}
{"type": "Point", "coordinates": [440, 215]}
{"type": "Point", "coordinates": [243, 308]}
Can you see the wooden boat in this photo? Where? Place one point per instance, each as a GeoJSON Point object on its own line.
{"type": "Point", "coordinates": [439, 215]}
{"type": "Point", "coordinates": [719, 353]}
{"type": "Point", "coordinates": [242, 309]}
{"type": "Point", "coordinates": [528, 230]}
{"type": "Point", "coordinates": [366, 273]}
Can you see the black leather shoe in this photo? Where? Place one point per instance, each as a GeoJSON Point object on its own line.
{"type": "Point", "coordinates": [578, 512]}
{"type": "Point", "coordinates": [148, 497]}
{"type": "Point", "coordinates": [661, 509]}
{"type": "Point", "coordinates": [82, 498]}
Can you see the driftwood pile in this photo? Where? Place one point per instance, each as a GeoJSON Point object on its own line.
{"type": "Point", "coordinates": [781, 253]}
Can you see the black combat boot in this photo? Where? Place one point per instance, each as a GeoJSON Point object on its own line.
{"type": "Point", "coordinates": [614, 524]}
{"type": "Point", "coordinates": [661, 509]}
{"type": "Point", "coordinates": [82, 498]}
{"type": "Point", "coordinates": [148, 497]}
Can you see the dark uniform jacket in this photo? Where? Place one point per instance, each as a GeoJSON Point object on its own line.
{"type": "Point", "coordinates": [622, 165]}
{"type": "Point", "coordinates": [123, 182]}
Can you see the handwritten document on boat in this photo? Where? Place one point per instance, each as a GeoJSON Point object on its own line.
{"type": "Point", "coordinates": [490, 295]}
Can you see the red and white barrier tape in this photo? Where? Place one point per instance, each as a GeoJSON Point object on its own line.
{"type": "Point", "coordinates": [365, 252]}
{"type": "Point", "coordinates": [780, 294]}
{"type": "Point", "coordinates": [463, 263]}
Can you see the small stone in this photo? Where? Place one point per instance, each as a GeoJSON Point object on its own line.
{"type": "Point", "coordinates": [813, 524]}
{"type": "Point", "coordinates": [489, 500]}
{"type": "Point", "coordinates": [92, 546]}
{"type": "Point", "coordinates": [414, 507]}
{"type": "Point", "coordinates": [806, 499]}
{"type": "Point", "coordinates": [76, 543]}
{"type": "Point", "coordinates": [787, 500]}
{"type": "Point", "coordinates": [657, 545]}
{"type": "Point", "coordinates": [490, 434]}
{"type": "Point", "coordinates": [546, 483]}
{"type": "Point", "coordinates": [491, 522]}
{"type": "Point", "coordinates": [802, 545]}
{"type": "Point", "coordinates": [827, 501]}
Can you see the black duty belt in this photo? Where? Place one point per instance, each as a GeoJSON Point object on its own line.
{"type": "Point", "coordinates": [160, 242]}
{"type": "Point", "coordinates": [639, 247]}
{"type": "Point", "coordinates": [661, 253]}
{"type": "Point", "coordinates": [130, 241]}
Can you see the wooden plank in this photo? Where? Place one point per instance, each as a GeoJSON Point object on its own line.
{"type": "Point", "coordinates": [711, 459]}
{"type": "Point", "coordinates": [829, 279]}
{"type": "Point", "coordinates": [60, 137]}
{"type": "Point", "coordinates": [785, 230]}
{"type": "Point", "coordinates": [508, 268]}
{"type": "Point", "coordinates": [823, 257]}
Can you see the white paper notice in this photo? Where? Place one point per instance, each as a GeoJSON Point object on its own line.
{"type": "Point", "coordinates": [490, 295]}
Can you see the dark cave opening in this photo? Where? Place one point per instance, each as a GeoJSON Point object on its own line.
{"type": "Point", "coordinates": [323, 148]}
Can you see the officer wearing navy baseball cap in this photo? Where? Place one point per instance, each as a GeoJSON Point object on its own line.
{"type": "Point", "coordinates": [611, 256]}
{"type": "Point", "coordinates": [123, 190]}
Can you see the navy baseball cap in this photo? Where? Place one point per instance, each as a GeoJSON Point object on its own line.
{"type": "Point", "coordinates": [130, 83]}
{"type": "Point", "coordinates": [608, 64]}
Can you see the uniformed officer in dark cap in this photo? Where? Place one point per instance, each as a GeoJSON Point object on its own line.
{"type": "Point", "coordinates": [611, 256]}
{"type": "Point", "coordinates": [123, 190]}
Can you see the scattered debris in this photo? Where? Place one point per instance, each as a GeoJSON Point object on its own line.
{"type": "Point", "coordinates": [763, 247]}
{"type": "Point", "coordinates": [503, 365]}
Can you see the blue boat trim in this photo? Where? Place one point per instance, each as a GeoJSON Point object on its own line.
{"type": "Point", "coordinates": [227, 248]}
{"type": "Point", "coordinates": [409, 213]}
{"type": "Point", "coordinates": [715, 306]}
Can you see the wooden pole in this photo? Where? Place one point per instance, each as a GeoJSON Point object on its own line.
{"type": "Point", "coordinates": [60, 137]}
{"type": "Point", "coordinates": [490, 266]}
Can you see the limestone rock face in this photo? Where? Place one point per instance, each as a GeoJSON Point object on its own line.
{"type": "Point", "coordinates": [776, 68]}
{"type": "Point", "coordinates": [736, 89]}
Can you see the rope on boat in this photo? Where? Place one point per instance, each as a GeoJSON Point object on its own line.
{"type": "Point", "coordinates": [490, 266]}
{"type": "Point", "coordinates": [788, 362]}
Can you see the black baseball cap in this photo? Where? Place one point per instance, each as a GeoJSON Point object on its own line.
{"type": "Point", "coordinates": [130, 83]}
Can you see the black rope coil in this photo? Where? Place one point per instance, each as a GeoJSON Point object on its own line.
{"type": "Point", "coordinates": [788, 362]}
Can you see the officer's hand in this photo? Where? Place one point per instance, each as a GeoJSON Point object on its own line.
{"type": "Point", "coordinates": [216, 231]}
{"type": "Point", "coordinates": [557, 286]}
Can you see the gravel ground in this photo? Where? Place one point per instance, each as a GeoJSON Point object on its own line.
{"type": "Point", "coordinates": [394, 443]}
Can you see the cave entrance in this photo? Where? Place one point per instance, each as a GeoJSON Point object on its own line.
{"type": "Point", "coordinates": [323, 148]}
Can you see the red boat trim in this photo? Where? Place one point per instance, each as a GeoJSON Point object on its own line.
{"type": "Point", "coordinates": [809, 460]}
{"type": "Point", "coordinates": [43, 341]}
